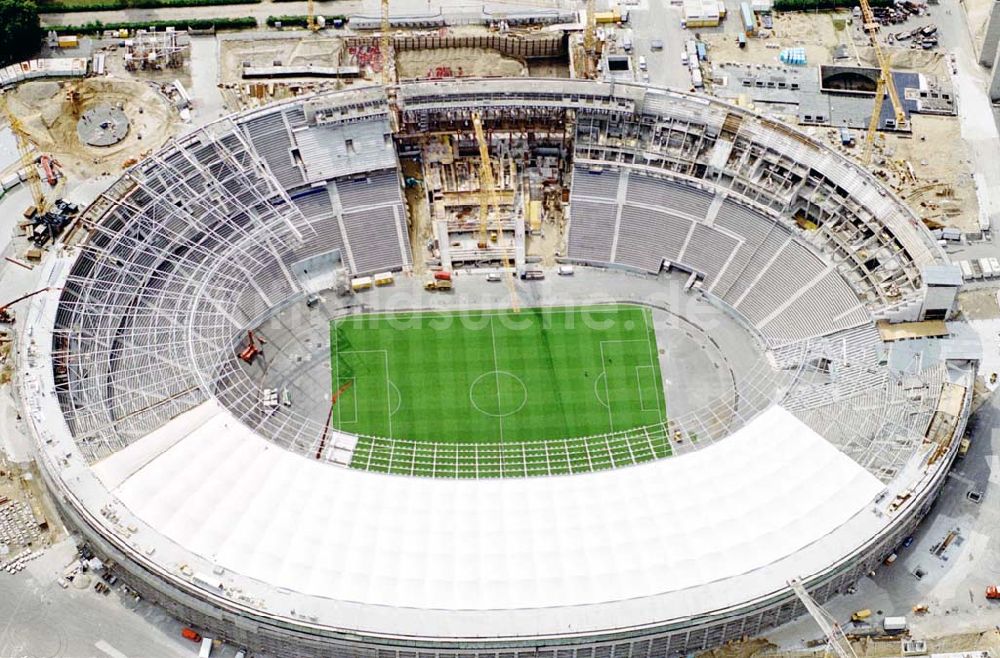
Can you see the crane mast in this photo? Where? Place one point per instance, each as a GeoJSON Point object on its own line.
{"type": "Point", "coordinates": [487, 198]}
{"type": "Point", "coordinates": [590, 40]}
{"type": "Point", "coordinates": [385, 47]}
{"type": "Point", "coordinates": [835, 637]}
{"type": "Point", "coordinates": [590, 30]}
{"type": "Point", "coordinates": [886, 85]}
{"type": "Point", "coordinates": [311, 16]}
{"type": "Point", "coordinates": [24, 148]}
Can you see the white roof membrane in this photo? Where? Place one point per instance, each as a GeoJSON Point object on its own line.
{"type": "Point", "coordinates": [725, 511]}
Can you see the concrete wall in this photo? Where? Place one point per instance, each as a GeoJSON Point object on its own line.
{"type": "Point", "coordinates": [510, 45]}
{"type": "Point", "coordinates": [989, 52]}
{"type": "Point", "coordinates": [995, 80]}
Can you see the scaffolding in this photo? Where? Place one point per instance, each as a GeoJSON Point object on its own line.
{"type": "Point", "coordinates": [154, 51]}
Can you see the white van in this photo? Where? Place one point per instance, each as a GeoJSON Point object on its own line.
{"type": "Point", "coordinates": [642, 62]}
{"type": "Point", "coordinates": [565, 270]}
{"type": "Point", "coordinates": [206, 648]}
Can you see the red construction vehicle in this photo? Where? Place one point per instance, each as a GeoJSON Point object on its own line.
{"type": "Point", "coordinates": [443, 275]}
{"type": "Point", "coordinates": [49, 166]}
{"type": "Point", "coordinates": [251, 351]}
{"type": "Point", "coordinates": [189, 634]}
{"type": "Point", "coordinates": [993, 592]}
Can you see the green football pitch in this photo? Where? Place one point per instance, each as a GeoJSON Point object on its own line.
{"type": "Point", "coordinates": [496, 378]}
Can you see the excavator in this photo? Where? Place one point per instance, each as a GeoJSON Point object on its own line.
{"type": "Point", "coordinates": [252, 349]}
{"type": "Point", "coordinates": [7, 315]}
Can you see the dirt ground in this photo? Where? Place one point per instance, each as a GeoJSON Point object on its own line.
{"type": "Point", "coordinates": [421, 229]}
{"type": "Point", "coordinates": [548, 68]}
{"type": "Point", "coordinates": [979, 304]}
{"type": "Point", "coordinates": [940, 188]}
{"type": "Point", "coordinates": [819, 34]}
{"type": "Point", "coordinates": [978, 14]}
{"type": "Point", "coordinates": [471, 61]}
{"type": "Point", "coordinates": [866, 648]}
{"type": "Point", "coordinates": [50, 119]}
{"type": "Point", "coordinates": [300, 49]}
{"type": "Point", "coordinates": [23, 484]}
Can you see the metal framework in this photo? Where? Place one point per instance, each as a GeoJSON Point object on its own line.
{"type": "Point", "coordinates": [192, 248]}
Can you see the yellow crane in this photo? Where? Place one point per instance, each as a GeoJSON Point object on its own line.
{"type": "Point", "coordinates": [487, 198]}
{"type": "Point", "coordinates": [886, 86]}
{"type": "Point", "coordinates": [590, 29]}
{"type": "Point", "coordinates": [590, 39]}
{"type": "Point", "coordinates": [311, 16]}
{"type": "Point", "coordinates": [385, 46]}
{"type": "Point", "coordinates": [24, 148]}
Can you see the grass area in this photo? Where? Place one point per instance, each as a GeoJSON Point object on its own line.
{"type": "Point", "coordinates": [490, 393]}
{"type": "Point", "coordinates": [96, 27]}
{"type": "Point", "coordinates": [61, 6]}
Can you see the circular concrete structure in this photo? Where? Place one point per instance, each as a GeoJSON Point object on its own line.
{"type": "Point", "coordinates": [102, 125]}
{"type": "Point", "coordinates": [264, 527]}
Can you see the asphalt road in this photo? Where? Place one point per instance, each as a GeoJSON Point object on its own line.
{"type": "Point", "coordinates": [263, 10]}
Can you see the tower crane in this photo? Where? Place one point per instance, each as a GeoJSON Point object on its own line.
{"type": "Point", "coordinates": [311, 16]}
{"type": "Point", "coordinates": [886, 86]}
{"type": "Point", "coordinates": [835, 638]}
{"type": "Point", "coordinates": [24, 148]}
{"type": "Point", "coordinates": [487, 198]}
{"type": "Point", "coordinates": [590, 29]}
{"type": "Point", "coordinates": [385, 46]}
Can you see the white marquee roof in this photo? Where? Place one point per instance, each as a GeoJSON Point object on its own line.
{"type": "Point", "coordinates": [747, 513]}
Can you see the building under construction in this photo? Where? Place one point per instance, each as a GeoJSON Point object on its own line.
{"type": "Point", "coordinates": [153, 51]}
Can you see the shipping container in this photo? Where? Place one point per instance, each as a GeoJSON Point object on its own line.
{"type": "Point", "coordinates": [966, 270]}
{"type": "Point", "coordinates": [894, 624]}
{"type": "Point", "coordinates": [746, 15]}
{"type": "Point", "coordinates": [206, 648]}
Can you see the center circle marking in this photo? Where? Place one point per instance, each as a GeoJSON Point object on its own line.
{"type": "Point", "coordinates": [489, 387]}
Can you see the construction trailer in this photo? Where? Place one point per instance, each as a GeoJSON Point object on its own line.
{"type": "Point", "coordinates": [748, 19]}
{"type": "Point", "coordinates": [701, 13]}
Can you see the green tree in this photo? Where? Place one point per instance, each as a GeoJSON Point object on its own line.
{"type": "Point", "coordinates": [20, 32]}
